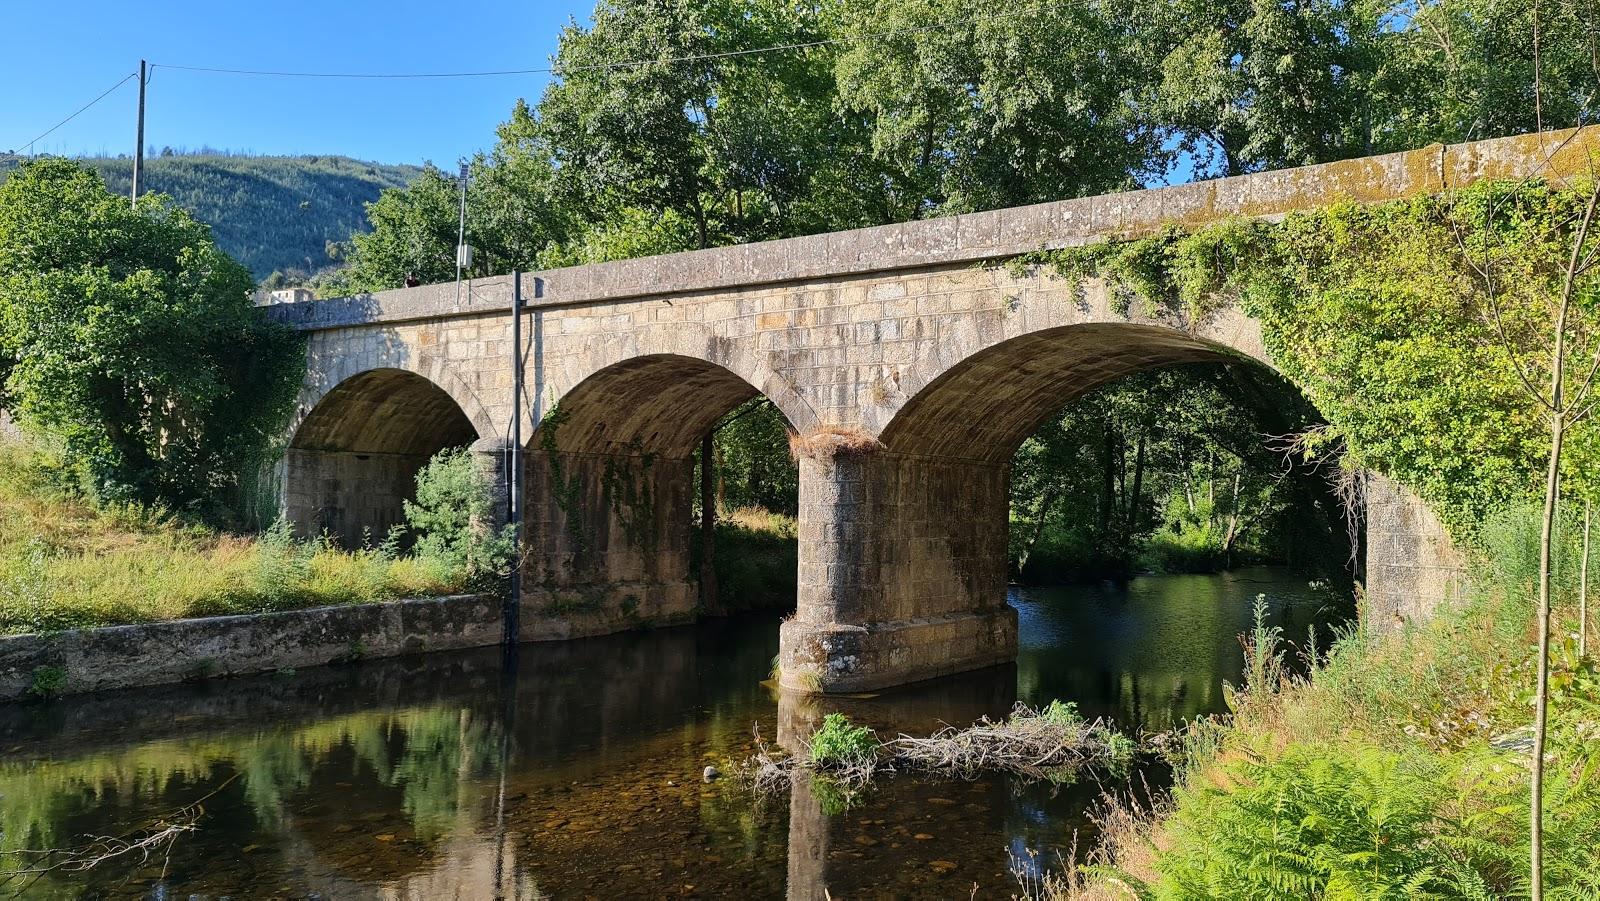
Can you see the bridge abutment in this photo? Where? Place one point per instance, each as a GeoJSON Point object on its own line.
{"type": "Point", "coordinates": [902, 572]}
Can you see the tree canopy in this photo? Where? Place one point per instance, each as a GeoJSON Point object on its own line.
{"type": "Point", "coordinates": [128, 338]}
{"type": "Point", "coordinates": [660, 133]}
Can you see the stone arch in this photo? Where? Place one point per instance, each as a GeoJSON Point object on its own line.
{"type": "Point", "coordinates": [657, 404]}
{"type": "Point", "coordinates": [321, 383]}
{"type": "Point", "coordinates": [659, 357]}
{"type": "Point", "coordinates": [353, 456]}
{"type": "Point", "coordinates": [981, 405]}
{"type": "Point", "coordinates": [609, 485]}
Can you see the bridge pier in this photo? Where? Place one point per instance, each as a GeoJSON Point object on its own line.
{"type": "Point", "coordinates": [902, 572]}
{"type": "Point", "coordinates": [608, 540]}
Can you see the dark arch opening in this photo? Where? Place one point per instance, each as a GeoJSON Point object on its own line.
{"type": "Point", "coordinates": [658, 404]}
{"type": "Point", "coordinates": [353, 461]}
{"type": "Point", "coordinates": [615, 493]}
{"type": "Point", "coordinates": [985, 406]}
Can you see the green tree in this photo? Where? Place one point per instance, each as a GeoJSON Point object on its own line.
{"type": "Point", "coordinates": [975, 111]}
{"type": "Point", "coordinates": [1253, 84]}
{"type": "Point", "coordinates": [128, 338]}
{"type": "Point", "coordinates": [1461, 70]}
{"type": "Point", "coordinates": [512, 218]}
{"type": "Point", "coordinates": [648, 113]}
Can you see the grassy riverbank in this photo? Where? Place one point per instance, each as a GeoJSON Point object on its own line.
{"type": "Point", "coordinates": [66, 563]}
{"type": "Point", "coordinates": [1398, 768]}
{"type": "Point", "coordinates": [757, 559]}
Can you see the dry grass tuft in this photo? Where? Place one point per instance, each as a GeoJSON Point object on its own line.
{"type": "Point", "coordinates": [829, 441]}
{"type": "Point", "coordinates": [66, 563]}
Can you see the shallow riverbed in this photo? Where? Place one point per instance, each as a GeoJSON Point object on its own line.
{"type": "Point", "coordinates": [435, 777]}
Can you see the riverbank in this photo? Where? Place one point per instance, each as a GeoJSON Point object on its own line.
{"type": "Point", "coordinates": [68, 564]}
{"type": "Point", "coordinates": [1399, 765]}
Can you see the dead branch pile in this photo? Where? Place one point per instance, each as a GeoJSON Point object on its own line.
{"type": "Point", "coordinates": [767, 772]}
{"type": "Point", "coordinates": [1036, 743]}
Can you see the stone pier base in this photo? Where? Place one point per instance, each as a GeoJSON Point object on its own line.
{"type": "Point", "coordinates": [902, 572]}
{"type": "Point", "coordinates": [836, 657]}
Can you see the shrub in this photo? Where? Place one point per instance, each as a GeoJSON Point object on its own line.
{"type": "Point", "coordinates": [451, 517]}
{"type": "Point", "coordinates": [839, 744]}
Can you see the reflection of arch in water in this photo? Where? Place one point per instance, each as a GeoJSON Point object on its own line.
{"type": "Point", "coordinates": [354, 458]}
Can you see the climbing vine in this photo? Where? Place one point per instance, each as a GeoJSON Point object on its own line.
{"type": "Point", "coordinates": [627, 492]}
{"type": "Point", "coordinates": [566, 492]}
{"type": "Point", "coordinates": [1382, 315]}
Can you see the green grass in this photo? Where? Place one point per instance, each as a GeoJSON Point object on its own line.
{"type": "Point", "coordinates": [1398, 768]}
{"type": "Point", "coordinates": [65, 563]}
{"type": "Point", "coordinates": [757, 559]}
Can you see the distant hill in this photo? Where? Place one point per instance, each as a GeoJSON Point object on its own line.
{"type": "Point", "coordinates": [272, 213]}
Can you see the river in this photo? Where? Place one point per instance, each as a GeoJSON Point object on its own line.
{"type": "Point", "coordinates": [434, 777]}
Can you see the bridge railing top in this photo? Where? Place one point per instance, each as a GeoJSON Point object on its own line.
{"type": "Point", "coordinates": [974, 237]}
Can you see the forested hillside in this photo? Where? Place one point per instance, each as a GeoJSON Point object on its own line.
{"type": "Point", "coordinates": [271, 213]}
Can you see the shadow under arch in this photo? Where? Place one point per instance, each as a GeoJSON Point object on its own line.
{"type": "Point", "coordinates": [609, 495]}
{"type": "Point", "coordinates": [984, 407]}
{"type": "Point", "coordinates": [657, 404]}
{"type": "Point", "coordinates": [353, 459]}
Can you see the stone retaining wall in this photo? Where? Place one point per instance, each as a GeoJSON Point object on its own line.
{"type": "Point", "coordinates": [85, 660]}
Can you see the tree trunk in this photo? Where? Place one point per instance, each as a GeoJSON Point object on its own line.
{"type": "Point", "coordinates": [1138, 486]}
{"type": "Point", "coordinates": [709, 604]}
{"type": "Point", "coordinates": [1108, 487]}
{"type": "Point", "coordinates": [1542, 691]}
{"type": "Point", "coordinates": [1583, 583]}
{"type": "Point", "coordinates": [1232, 534]}
{"type": "Point", "coordinates": [1048, 501]}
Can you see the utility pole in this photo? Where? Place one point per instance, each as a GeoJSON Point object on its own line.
{"type": "Point", "coordinates": [513, 604]}
{"type": "Point", "coordinates": [138, 147]}
{"type": "Point", "coordinates": [463, 253]}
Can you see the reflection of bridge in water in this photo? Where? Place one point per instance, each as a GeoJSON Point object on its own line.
{"type": "Point", "coordinates": [933, 366]}
{"type": "Point", "coordinates": [433, 776]}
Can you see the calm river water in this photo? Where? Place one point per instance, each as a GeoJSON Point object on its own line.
{"type": "Point", "coordinates": [433, 777]}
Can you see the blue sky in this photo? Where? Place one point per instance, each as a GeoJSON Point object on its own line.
{"type": "Point", "coordinates": [59, 54]}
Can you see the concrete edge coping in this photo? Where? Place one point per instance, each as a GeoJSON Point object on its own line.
{"type": "Point", "coordinates": [156, 653]}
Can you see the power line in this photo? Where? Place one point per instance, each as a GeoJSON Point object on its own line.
{"type": "Point", "coordinates": [125, 79]}
{"type": "Point", "coordinates": [626, 64]}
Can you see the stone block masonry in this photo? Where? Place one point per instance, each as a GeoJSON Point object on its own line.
{"type": "Point", "coordinates": [906, 334]}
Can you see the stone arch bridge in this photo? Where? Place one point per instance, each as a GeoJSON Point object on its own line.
{"type": "Point", "coordinates": [909, 335]}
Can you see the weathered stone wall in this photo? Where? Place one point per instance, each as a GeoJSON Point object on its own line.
{"type": "Point", "coordinates": [157, 653]}
{"type": "Point", "coordinates": [355, 498]}
{"type": "Point", "coordinates": [608, 538]}
{"type": "Point", "coordinates": [1412, 566]}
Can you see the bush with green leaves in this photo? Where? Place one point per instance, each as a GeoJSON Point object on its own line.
{"type": "Point", "coordinates": [129, 343]}
{"type": "Point", "coordinates": [838, 743]}
{"type": "Point", "coordinates": [452, 518]}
